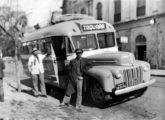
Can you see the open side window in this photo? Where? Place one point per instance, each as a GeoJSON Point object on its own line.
{"type": "Point", "coordinates": [69, 47]}
{"type": "Point", "coordinates": [59, 46]}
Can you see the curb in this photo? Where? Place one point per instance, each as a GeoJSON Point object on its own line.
{"type": "Point", "coordinates": [157, 75]}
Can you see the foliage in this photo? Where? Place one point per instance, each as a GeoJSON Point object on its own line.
{"type": "Point", "coordinates": [12, 28]}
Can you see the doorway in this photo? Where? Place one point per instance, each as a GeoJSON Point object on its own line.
{"type": "Point", "coordinates": [141, 48]}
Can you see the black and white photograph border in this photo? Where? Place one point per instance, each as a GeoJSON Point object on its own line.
{"type": "Point", "coordinates": [121, 41]}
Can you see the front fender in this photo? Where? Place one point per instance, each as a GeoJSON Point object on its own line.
{"type": "Point", "coordinates": [103, 76]}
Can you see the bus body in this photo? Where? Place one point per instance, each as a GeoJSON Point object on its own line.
{"type": "Point", "coordinates": [114, 73]}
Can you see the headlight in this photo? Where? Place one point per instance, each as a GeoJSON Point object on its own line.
{"type": "Point", "coordinates": [118, 74]}
{"type": "Point", "coordinates": [146, 67]}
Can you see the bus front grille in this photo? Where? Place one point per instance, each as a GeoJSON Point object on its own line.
{"type": "Point", "coordinates": [133, 76]}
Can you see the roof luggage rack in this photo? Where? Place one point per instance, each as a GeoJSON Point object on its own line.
{"type": "Point", "coordinates": [69, 17]}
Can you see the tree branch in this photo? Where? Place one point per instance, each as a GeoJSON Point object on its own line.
{"type": "Point", "coordinates": [7, 32]}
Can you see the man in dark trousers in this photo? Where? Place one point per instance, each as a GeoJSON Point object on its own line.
{"type": "Point", "coordinates": [76, 69]}
{"type": "Point", "coordinates": [2, 67]}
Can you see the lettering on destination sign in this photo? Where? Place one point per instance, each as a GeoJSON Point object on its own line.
{"type": "Point", "coordinates": [92, 27]}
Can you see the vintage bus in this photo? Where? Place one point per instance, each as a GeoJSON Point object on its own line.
{"type": "Point", "coordinates": [114, 73]}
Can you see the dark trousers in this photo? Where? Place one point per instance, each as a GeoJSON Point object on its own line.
{"type": "Point", "coordinates": [39, 79]}
{"type": "Point", "coordinates": [1, 91]}
{"type": "Point", "coordinates": [78, 86]}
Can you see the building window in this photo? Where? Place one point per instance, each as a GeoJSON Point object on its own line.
{"type": "Point", "coordinates": [99, 11]}
{"type": "Point", "coordinates": [117, 15]}
{"type": "Point", "coordinates": [83, 11]}
{"type": "Point", "coordinates": [140, 8]}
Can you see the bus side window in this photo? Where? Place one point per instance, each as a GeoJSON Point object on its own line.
{"type": "Point", "coordinates": [25, 50]}
{"type": "Point", "coordinates": [106, 40]}
{"type": "Point", "coordinates": [101, 39]}
{"type": "Point", "coordinates": [30, 47]}
{"type": "Point", "coordinates": [41, 46]}
{"type": "Point", "coordinates": [47, 47]}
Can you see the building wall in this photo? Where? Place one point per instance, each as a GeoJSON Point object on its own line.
{"type": "Point", "coordinates": [128, 8]}
{"type": "Point", "coordinates": [154, 34]}
{"type": "Point", "coordinates": [154, 7]}
{"type": "Point", "coordinates": [132, 26]}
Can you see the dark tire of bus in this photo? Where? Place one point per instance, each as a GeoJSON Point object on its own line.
{"type": "Point", "coordinates": [97, 95]}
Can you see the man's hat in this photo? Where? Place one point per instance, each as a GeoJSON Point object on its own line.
{"type": "Point", "coordinates": [78, 51]}
{"type": "Point", "coordinates": [35, 50]}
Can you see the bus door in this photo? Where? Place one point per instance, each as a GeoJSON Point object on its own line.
{"type": "Point", "coordinates": [59, 46]}
{"type": "Point", "coordinates": [49, 62]}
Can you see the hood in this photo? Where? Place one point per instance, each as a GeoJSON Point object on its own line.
{"type": "Point", "coordinates": [117, 58]}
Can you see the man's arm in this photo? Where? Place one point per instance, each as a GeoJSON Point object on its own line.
{"type": "Point", "coordinates": [88, 64]}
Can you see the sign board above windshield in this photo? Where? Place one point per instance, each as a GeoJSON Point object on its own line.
{"type": "Point", "coordinates": [93, 27]}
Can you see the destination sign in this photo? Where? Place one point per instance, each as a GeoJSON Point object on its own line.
{"type": "Point", "coordinates": [93, 27]}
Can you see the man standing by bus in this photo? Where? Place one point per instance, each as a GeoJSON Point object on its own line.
{"type": "Point", "coordinates": [35, 65]}
{"type": "Point", "coordinates": [76, 69]}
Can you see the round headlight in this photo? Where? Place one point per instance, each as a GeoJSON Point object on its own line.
{"type": "Point", "coordinates": [118, 74]}
{"type": "Point", "coordinates": [145, 68]}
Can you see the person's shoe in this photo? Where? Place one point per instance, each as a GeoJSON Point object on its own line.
{"type": "Point", "coordinates": [62, 104]}
{"type": "Point", "coordinates": [36, 96]}
{"type": "Point", "coordinates": [78, 107]}
{"type": "Point", "coordinates": [44, 96]}
{"type": "Point", "coordinates": [65, 105]}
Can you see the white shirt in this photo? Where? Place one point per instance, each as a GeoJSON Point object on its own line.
{"type": "Point", "coordinates": [36, 65]}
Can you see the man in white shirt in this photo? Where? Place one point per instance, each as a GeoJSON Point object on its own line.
{"type": "Point", "coordinates": [36, 68]}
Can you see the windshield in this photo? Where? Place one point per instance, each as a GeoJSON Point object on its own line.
{"type": "Point", "coordinates": [85, 42]}
{"type": "Point", "coordinates": [106, 40]}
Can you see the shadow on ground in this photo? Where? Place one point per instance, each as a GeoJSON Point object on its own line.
{"type": "Point", "coordinates": [51, 90]}
{"type": "Point", "coordinates": [58, 93]}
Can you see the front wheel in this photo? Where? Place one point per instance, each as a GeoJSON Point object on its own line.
{"type": "Point", "coordinates": [97, 94]}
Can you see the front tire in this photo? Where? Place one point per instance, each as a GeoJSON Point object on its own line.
{"type": "Point", "coordinates": [97, 94]}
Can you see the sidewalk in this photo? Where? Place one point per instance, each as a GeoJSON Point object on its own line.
{"type": "Point", "coordinates": [158, 72]}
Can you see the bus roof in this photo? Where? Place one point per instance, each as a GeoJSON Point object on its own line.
{"type": "Point", "coordinates": [67, 28]}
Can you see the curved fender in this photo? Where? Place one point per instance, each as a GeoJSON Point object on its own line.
{"type": "Point", "coordinates": [103, 76]}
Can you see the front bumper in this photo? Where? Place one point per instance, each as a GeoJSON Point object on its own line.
{"type": "Point", "coordinates": [133, 88]}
